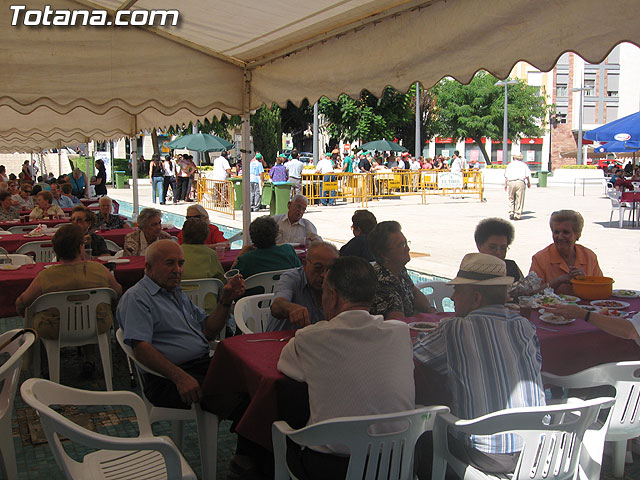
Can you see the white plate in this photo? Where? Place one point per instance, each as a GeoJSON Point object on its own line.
{"type": "Point", "coordinates": [619, 304]}
{"type": "Point", "coordinates": [9, 267]}
{"type": "Point", "coordinates": [556, 319]}
{"type": "Point", "coordinates": [299, 250]}
{"type": "Point", "coordinates": [611, 312]}
{"type": "Point", "coordinates": [119, 260]}
{"type": "Point", "coordinates": [570, 298]}
{"type": "Point", "coordinates": [5, 233]}
{"type": "Point", "coordinates": [50, 265]}
{"type": "Point", "coordinates": [422, 326]}
{"type": "Point", "coordinates": [107, 258]}
{"type": "Point", "coordinates": [625, 293]}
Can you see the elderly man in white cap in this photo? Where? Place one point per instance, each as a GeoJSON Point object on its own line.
{"type": "Point", "coordinates": [517, 178]}
{"type": "Point", "coordinates": [490, 357]}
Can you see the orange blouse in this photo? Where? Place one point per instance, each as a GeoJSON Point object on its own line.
{"type": "Point", "coordinates": [548, 264]}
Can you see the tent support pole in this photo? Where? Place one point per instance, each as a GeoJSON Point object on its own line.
{"type": "Point", "coordinates": [59, 157]}
{"type": "Point", "coordinates": [418, 143]}
{"type": "Point", "coordinates": [246, 159]}
{"type": "Point", "coordinates": [315, 134]}
{"type": "Point", "coordinates": [134, 178]}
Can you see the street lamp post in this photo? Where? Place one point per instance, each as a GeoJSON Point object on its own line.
{"type": "Point", "coordinates": [505, 125]}
{"type": "Point", "coordinates": [579, 160]}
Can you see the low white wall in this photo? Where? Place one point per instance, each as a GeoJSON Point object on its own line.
{"type": "Point", "coordinates": [561, 176]}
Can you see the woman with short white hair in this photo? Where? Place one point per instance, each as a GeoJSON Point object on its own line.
{"type": "Point", "coordinates": [149, 230]}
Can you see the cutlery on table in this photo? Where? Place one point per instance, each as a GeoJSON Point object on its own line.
{"type": "Point", "coordinates": [270, 339]}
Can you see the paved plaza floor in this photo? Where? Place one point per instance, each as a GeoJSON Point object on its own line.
{"type": "Point", "coordinates": [441, 231]}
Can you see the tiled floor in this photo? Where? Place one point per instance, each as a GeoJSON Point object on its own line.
{"type": "Point", "coordinates": [33, 455]}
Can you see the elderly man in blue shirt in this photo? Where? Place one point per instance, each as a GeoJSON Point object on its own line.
{"type": "Point", "coordinates": [298, 295]}
{"type": "Point", "coordinates": [167, 332]}
{"type": "Point", "coordinates": [58, 198]}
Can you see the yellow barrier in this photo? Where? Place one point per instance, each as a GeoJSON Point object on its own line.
{"type": "Point", "coordinates": [334, 186]}
{"type": "Point", "coordinates": [217, 195]}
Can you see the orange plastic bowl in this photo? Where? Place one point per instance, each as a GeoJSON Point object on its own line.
{"type": "Point", "coordinates": [592, 288]}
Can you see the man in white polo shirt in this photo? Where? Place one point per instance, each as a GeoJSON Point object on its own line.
{"type": "Point", "coordinates": [517, 178]}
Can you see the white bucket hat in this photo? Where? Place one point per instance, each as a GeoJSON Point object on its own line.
{"type": "Point", "coordinates": [481, 269]}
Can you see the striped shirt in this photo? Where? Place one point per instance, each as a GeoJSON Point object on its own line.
{"type": "Point", "coordinates": [492, 361]}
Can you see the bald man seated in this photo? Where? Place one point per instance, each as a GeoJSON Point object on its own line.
{"type": "Point", "coordinates": [167, 332]}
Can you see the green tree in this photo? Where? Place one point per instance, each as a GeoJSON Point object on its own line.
{"type": "Point", "coordinates": [476, 110]}
{"type": "Point", "coordinates": [266, 129]}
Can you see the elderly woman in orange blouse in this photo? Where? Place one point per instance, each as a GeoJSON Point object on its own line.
{"type": "Point", "coordinates": [558, 263]}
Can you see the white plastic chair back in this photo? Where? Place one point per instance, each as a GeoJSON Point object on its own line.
{"type": "Point", "coordinates": [144, 456]}
{"type": "Point", "coordinates": [439, 292]}
{"type": "Point", "coordinates": [206, 422]}
{"type": "Point", "coordinates": [264, 282]}
{"type": "Point", "coordinates": [373, 455]}
{"type": "Point", "coordinates": [252, 313]}
{"type": "Point", "coordinates": [19, 259]}
{"type": "Point", "coordinates": [112, 246]}
{"type": "Point", "coordinates": [19, 342]}
{"type": "Point", "coordinates": [116, 206]}
{"type": "Point", "coordinates": [624, 419]}
{"type": "Point", "coordinates": [42, 251]}
{"type": "Point", "coordinates": [198, 289]}
{"type": "Point", "coordinates": [552, 439]}
{"type": "Point", "coordinates": [2, 250]}
{"type": "Point", "coordinates": [78, 326]}
{"type": "Point", "coordinates": [636, 185]}
{"type": "Point", "coordinates": [22, 228]}
{"type": "Point", "coordinates": [235, 238]}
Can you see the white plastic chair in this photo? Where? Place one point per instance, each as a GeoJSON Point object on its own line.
{"type": "Point", "coordinates": [78, 326]}
{"type": "Point", "coordinates": [19, 259]}
{"type": "Point", "coordinates": [439, 292]}
{"type": "Point", "coordinates": [618, 206]}
{"type": "Point", "coordinates": [2, 250]}
{"type": "Point", "coordinates": [19, 341]}
{"type": "Point", "coordinates": [112, 246]}
{"type": "Point", "coordinates": [206, 422]}
{"type": "Point", "coordinates": [145, 456]}
{"type": "Point", "coordinates": [252, 313]}
{"type": "Point", "coordinates": [264, 282]}
{"type": "Point", "coordinates": [391, 454]}
{"type": "Point", "coordinates": [560, 442]}
{"type": "Point", "coordinates": [235, 238]}
{"type": "Point", "coordinates": [625, 416]}
{"type": "Point", "coordinates": [42, 251]}
{"type": "Point", "coordinates": [22, 228]}
{"type": "Point", "coordinates": [197, 291]}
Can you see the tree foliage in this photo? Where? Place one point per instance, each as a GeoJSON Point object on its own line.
{"type": "Point", "coordinates": [476, 110]}
{"type": "Point", "coordinates": [266, 129]}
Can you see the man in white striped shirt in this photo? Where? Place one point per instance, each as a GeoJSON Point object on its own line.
{"type": "Point", "coordinates": [490, 357]}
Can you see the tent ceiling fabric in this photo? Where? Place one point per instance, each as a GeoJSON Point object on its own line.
{"type": "Point", "coordinates": [118, 81]}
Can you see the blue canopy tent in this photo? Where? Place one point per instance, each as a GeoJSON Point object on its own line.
{"type": "Point", "coordinates": [618, 147]}
{"type": "Point", "coordinates": [622, 130]}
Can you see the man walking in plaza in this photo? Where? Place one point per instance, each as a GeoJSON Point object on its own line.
{"type": "Point", "coordinates": [295, 167]}
{"type": "Point", "coordinates": [256, 179]}
{"type": "Point", "coordinates": [517, 178]}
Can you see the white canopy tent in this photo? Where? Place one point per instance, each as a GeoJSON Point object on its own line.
{"type": "Point", "coordinates": [60, 84]}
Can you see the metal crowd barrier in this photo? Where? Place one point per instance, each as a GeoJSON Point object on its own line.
{"type": "Point", "coordinates": [217, 195]}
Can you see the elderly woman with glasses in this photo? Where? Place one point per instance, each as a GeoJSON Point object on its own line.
{"type": "Point", "coordinates": [563, 260]}
{"type": "Point", "coordinates": [493, 237]}
{"type": "Point", "coordinates": [215, 236]}
{"type": "Point", "coordinates": [149, 230]}
{"type": "Point", "coordinates": [45, 207]}
{"type": "Point", "coordinates": [396, 295]}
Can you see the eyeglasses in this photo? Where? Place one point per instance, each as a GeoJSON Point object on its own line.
{"type": "Point", "coordinates": [494, 248]}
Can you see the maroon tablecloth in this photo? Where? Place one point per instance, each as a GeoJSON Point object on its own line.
{"type": "Point", "coordinates": [67, 211]}
{"type": "Point", "coordinates": [6, 225]}
{"type": "Point", "coordinates": [14, 282]}
{"type": "Point", "coordinates": [242, 366]}
{"type": "Point", "coordinates": [12, 242]}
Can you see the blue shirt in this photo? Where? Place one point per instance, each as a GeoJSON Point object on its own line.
{"type": "Point", "coordinates": [63, 202]}
{"type": "Point", "coordinates": [169, 321]}
{"type": "Point", "coordinates": [294, 288]}
{"type": "Point", "coordinates": [255, 169]}
{"type": "Point", "coordinates": [278, 173]}
{"type": "Point", "coordinates": [491, 359]}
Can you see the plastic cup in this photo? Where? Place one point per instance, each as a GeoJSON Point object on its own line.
{"type": "Point", "coordinates": [231, 273]}
{"type": "Point", "coordinates": [220, 250]}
